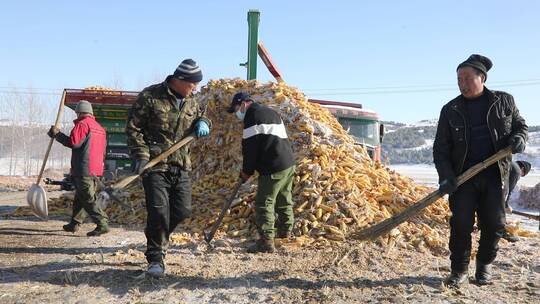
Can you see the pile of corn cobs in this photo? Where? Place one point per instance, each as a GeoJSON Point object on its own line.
{"type": "Point", "coordinates": [338, 189]}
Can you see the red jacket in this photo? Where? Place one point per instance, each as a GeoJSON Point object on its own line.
{"type": "Point", "coordinates": [87, 141]}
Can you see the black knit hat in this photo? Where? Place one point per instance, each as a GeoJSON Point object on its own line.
{"type": "Point", "coordinates": [526, 166]}
{"type": "Point", "coordinates": [188, 70]}
{"type": "Point", "coordinates": [479, 62]}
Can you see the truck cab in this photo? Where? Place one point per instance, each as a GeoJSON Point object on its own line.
{"type": "Point", "coordinates": [362, 124]}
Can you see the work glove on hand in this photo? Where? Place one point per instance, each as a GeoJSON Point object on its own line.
{"type": "Point", "coordinates": [448, 186]}
{"type": "Point", "coordinates": [53, 131]}
{"type": "Point", "coordinates": [201, 128]}
{"type": "Point", "coordinates": [139, 166]}
{"type": "Point", "coordinates": [244, 176]}
{"type": "Point", "coordinates": [517, 143]}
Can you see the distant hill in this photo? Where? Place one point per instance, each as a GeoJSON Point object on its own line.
{"type": "Point", "coordinates": [413, 143]}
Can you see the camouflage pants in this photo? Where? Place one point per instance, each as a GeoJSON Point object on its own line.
{"type": "Point", "coordinates": [274, 196]}
{"type": "Point", "coordinates": [85, 201]}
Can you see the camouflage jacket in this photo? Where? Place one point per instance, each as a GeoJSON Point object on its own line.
{"type": "Point", "coordinates": [156, 122]}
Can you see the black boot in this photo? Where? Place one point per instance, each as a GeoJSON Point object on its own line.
{"type": "Point", "coordinates": [285, 235]}
{"type": "Point", "coordinates": [511, 238]}
{"type": "Point", "coordinates": [71, 227]}
{"type": "Point", "coordinates": [262, 245]}
{"type": "Point", "coordinates": [483, 273]}
{"type": "Point", "coordinates": [100, 229]}
{"type": "Point", "coordinates": [456, 278]}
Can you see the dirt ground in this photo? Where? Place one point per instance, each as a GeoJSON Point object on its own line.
{"type": "Point", "coordinates": [22, 183]}
{"type": "Point", "coordinates": [40, 263]}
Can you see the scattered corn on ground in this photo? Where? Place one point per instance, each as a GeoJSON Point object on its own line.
{"type": "Point", "coordinates": [514, 228]}
{"type": "Point", "coordinates": [337, 188]}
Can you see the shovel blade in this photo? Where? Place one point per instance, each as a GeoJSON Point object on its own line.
{"type": "Point", "coordinates": [208, 239]}
{"type": "Point", "coordinates": [103, 199]}
{"type": "Point", "coordinates": [37, 200]}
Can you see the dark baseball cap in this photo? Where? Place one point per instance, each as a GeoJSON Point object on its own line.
{"type": "Point", "coordinates": [237, 99]}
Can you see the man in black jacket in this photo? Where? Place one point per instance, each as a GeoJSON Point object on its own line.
{"type": "Point", "coordinates": [518, 169]}
{"type": "Point", "coordinates": [472, 127]}
{"type": "Point", "coordinates": [266, 149]}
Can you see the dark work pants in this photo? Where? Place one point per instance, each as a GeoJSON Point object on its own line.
{"type": "Point", "coordinates": [168, 202]}
{"type": "Point", "coordinates": [482, 195]}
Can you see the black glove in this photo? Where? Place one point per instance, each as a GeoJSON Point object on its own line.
{"type": "Point", "coordinates": [517, 143]}
{"type": "Point", "coordinates": [244, 177]}
{"type": "Point", "coordinates": [53, 131]}
{"type": "Point", "coordinates": [139, 165]}
{"type": "Point", "coordinates": [448, 186]}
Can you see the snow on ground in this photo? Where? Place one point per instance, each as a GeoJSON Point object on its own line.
{"type": "Point", "coordinates": [427, 145]}
{"type": "Point", "coordinates": [427, 174]}
{"type": "Point", "coordinates": [534, 137]}
{"type": "Point", "coordinates": [420, 173]}
{"type": "Point", "coordinates": [533, 149]}
{"type": "Point", "coordinates": [17, 166]}
{"type": "Point", "coordinates": [424, 123]}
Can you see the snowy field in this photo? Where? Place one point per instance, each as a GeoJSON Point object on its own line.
{"type": "Point", "coordinates": [427, 175]}
{"type": "Point", "coordinates": [17, 166]}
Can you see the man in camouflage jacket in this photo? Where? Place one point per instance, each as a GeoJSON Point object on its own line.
{"type": "Point", "coordinates": [160, 117]}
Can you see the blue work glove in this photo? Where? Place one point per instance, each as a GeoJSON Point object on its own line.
{"type": "Point", "coordinates": [201, 128]}
{"type": "Point", "coordinates": [448, 186]}
{"type": "Point", "coordinates": [517, 143]}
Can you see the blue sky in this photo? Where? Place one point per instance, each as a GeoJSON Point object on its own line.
{"type": "Point", "coordinates": [395, 57]}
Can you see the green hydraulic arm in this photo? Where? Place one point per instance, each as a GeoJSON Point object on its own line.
{"type": "Point", "coordinates": [253, 39]}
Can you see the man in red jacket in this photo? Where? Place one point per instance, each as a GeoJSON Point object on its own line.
{"type": "Point", "coordinates": [87, 142]}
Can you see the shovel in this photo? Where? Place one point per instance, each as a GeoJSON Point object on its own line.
{"type": "Point", "coordinates": [208, 236]}
{"type": "Point", "coordinates": [37, 196]}
{"type": "Point", "coordinates": [390, 223]}
{"type": "Point", "coordinates": [528, 215]}
{"type": "Point", "coordinates": [113, 191]}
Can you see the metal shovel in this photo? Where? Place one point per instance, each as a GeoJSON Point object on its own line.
{"type": "Point", "coordinates": [37, 196]}
{"type": "Point", "coordinates": [114, 191]}
{"type": "Point", "coordinates": [528, 215]}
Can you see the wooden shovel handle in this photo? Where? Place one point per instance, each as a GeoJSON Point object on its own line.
{"type": "Point", "coordinates": [210, 235]}
{"type": "Point", "coordinates": [56, 123]}
{"type": "Point", "coordinates": [128, 179]}
{"type": "Point", "coordinates": [385, 226]}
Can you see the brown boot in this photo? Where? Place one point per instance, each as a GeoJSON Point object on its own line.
{"type": "Point", "coordinates": [262, 245]}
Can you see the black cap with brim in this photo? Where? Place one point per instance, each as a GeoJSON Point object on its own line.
{"type": "Point", "coordinates": [237, 100]}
